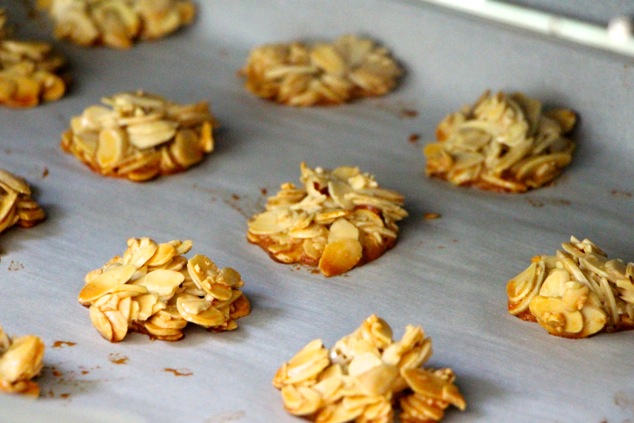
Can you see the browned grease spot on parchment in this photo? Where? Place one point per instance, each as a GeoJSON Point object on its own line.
{"type": "Point", "coordinates": [226, 417]}
{"type": "Point", "coordinates": [541, 203]}
{"type": "Point", "coordinates": [61, 344]}
{"type": "Point", "coordinates": [408, 113]}
{"type": "Point", "coordinates": [14, 266]}
{"type": "Point", "coordinates": [235, 201]}
{"type": "Point", "coordinates": [179, 372]}
{"type": "Point", "coordinates": [620, 194]}
{"type": "Point", "coordinates": [413, 138]}
{"type": "Point", "coordinates": [117, 358]}
{"type": "Point", "coordinates": [63, 383]}
{"type": "Point", "coordinates": [45, 172]}
{"type": "Point", "coordinates": [431, 216]}
{"type": "Point", "coordinates": [625, 400]}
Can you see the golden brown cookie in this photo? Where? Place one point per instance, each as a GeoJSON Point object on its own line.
{"type": "Point", "coordinates": [21, 360]}
{"type": "Point", "coordinates": [336, 220]}
{"type": "Point", "coordinates": [117, 23]}
{"type": "Point", "coordinates": [154, 289]}
{"type": "Point", "coordinates": [29, 71]}
{"type": "Point", "coordinates": [361, 377]}
{"type": "Point", "coordinates": [321, 74]}
{"type": "Point", "coordinates": [140, 136]}
{"type": "Point", "coordinates": [16, 205]}
{"type": "Point", "coordinates": [503, 143]}
{"type": "Point", "coordinates": [576, 293]}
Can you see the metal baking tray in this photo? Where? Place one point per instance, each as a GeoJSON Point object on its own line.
{"type": "Point", "coordinates": [447, 275]}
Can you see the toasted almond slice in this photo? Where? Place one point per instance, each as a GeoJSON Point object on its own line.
{"type": "Point", "coordinates": [151, 134]}
{"type": "Point", "coordinates": [327, 58]}
{"type": "Point", "coordinates": [342, 229]}
{"type": "Point", "coordinates": [146, 302]}
{"type": "Point", "coordinates": [240, 307]}
{"type": "Point", "coordinates": [182, 247]}
{"type": "Point", "coordinates": [14, 183]}
{"type": "Point", "coordinates": [7, 204]}
{"type": "Point", "coordinates": [161, 282]}
{"type": "Point", "coordinates": [230, 277]}
{"type": "Point", "coordinates": [8, 88]}
{"type": "Point", "coordinates": [101, 323]}
{"type": "Point", "coordinates": [112, 147]}
{"type": "Point", "coordinates": [307, 363]}
{"type": "Point", "coordinates": [22, 360]}
{"type": "Point", "coordinates": [166, 334]}
{"type": "Point", "coordinates": [201, 268]}
{"type": "Point", "coordinates": [193, 305]}
{"type": "Point", "coordinates": [218, 291]}
{"type": "Point", "coordinates": [168, 318]}
{"type": "Point", "coordinates": [300, 400]}
{"type": "Point", "coordinates": [554, 284]}
{"type": "Point", "coordinates": [338, 191]}
{"type": "Point", "coordinates": [340, 256]}
{"type": "Point", "coordinates": [105, 283]}
{"type": "Point", "coordinates": [163, 254]}
{"type": "Point", "coordinates": [186, 147]}
{"type": "Point", "coordinates": [432, 386]}
{"type": "Point", "coordinates": [208, 318]}
{"type": "Point", "coordinates": [144, 249]}
{"type": "Point", "coordinates": [270, 222]}
{"type": "Point", "coordinates": [554, 317]}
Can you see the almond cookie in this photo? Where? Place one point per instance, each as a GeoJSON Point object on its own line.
{"type": "Point", "coordinates": [364, 374]}
{"type": "Point", "coordinates": [140, 136]}
{"type": "Point", "coordinates": [16, 205]}
{"type": "Point", "coordinates": [117, 23]}
{"type": "Point", "coordinates": [154, 289]}
{"type": "Point", "coordinates": [503, 143]}
{"type": "Point", "coordinates": [576, 293]}
{"type": "Point", "coordinates": [29, 71]}
{"type": "Point", "coordinates": [21, 360]}
{"type": "Point", "coordinates": [321, 74]}
{"type": "Point", "coordinates": [337, 220]}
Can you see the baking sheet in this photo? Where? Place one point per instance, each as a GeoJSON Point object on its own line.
{"type": "Point", "coordinates": [447, 275]}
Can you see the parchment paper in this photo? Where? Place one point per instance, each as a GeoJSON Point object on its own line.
{"type": "Point", "coordinates": [448, 274]}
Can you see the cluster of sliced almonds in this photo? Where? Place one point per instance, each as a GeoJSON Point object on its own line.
{"type": "Point", "coordinates": [28, 72]}
{"type": "Point", "coordinates": [16, 205]}
{"type": "Point", "coordinates": [3, 22]}
{"type": "Point", "coordinates": [117, 23]}
{"type": "Point", "coordinates": [338, 220]}
{"type": "Point", "coordinates": [21, 359]}
{"type": "Point", "coordinates": [576, 293]}
{"type": "Point", "coordinates": [140, 136]}
{"type": "Point", "coordinates": [364, 374]}
{"type": "Point", "coordinates": [154, 289]}
{"type": "Point", "coordinates": [321, 74]}
{"type": "Point", "coordinates": [502, 143]}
